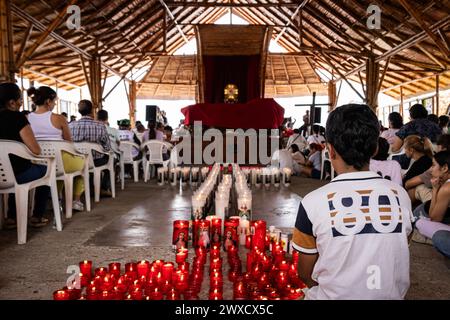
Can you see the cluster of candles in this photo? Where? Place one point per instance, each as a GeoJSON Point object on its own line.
{"type": "Point", "coordinates": [222, 196]}
{"type": "Point", "coordinates": [202, 196]}
{"type": "Point", "coordinates": [141, 281]}
{"type": "Point", "coordinates": [193, 175]}
{"type": "Point", "coordinates": [268, 176]}
{"type": "Point", "coordinates": [270, 275]}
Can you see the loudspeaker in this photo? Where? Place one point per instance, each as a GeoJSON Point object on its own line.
{"type": "Point", "coordinates": [315, 114]}
{"type": "Point", "coordinates": [150, 114]}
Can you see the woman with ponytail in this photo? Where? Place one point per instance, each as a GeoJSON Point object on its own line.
{"type": "Point", "coordinates": [418, 149]}
{"type": "Point", "coordinates": [15, 126]}
{"type": "Point", "coordinates": [46, 126]}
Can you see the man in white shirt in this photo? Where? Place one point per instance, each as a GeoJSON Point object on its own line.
{"type": "Point", "coordinates": [297, 139]}
{"type": "Point", "coordinates": [316, 137]}
{"type": "Point", "coordinates": [352, 234]}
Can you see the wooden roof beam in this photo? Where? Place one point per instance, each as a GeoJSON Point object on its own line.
{"type": "Point", "coordinates": [45, 33]}
{"type": "Point", "coordinates": [404, 45]}
{"type": "Point", "coordinates": [38, 25]}
{"type": "Point", "coordinates": [52, 78]}
{"type": "Point", "coordinates": [411, 82]}
{"type": "Point", "coordinates": [230, 4]}
{"type": "Point", "coordinates": [417, 16]}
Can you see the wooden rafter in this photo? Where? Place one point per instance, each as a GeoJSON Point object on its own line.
{"type": "Point", "coordinates": [417, 16]}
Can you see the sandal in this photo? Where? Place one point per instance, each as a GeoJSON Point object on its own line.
{"type": "Point", "coordinates": [38, 222]}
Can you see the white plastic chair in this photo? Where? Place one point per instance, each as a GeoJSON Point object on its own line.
{"type": "Point", "coordinates": [87, 148]}
{"type": "Point", "coordinates": [55, 149]}
{"type": "Point", "coordinates": [154, 149]}
{"type": "Point", "coordinates": [326, 158]}
{"type": "Point", "coordinates": [175, 159]}
{"type": "Point", "coordinates": [8, 184]}
{"type": "Point", "coordinates": [127, 154]}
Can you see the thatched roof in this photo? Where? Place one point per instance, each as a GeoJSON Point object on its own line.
{"type": "Point", "coordinates": [128, 34]}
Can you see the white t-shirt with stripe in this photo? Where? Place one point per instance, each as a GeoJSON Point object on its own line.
{"type": "Point", "coordinates": [358, 225]}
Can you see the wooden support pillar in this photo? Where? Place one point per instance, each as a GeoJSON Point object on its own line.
{"type": "Point", "coordinates": [332, 95]}
{"type": "Point", "coordinates": [132, 102]}
{"type": "Point", "coordinates": [7, 66]}
{"type": "Point", "coordinates": [437, 95]}
{"type": "Point", "coordinates": [401, 101]}
{"type": "Point", "coordinates": [95, 89]}
{"type": "Point", "coordinates": [372, 82]}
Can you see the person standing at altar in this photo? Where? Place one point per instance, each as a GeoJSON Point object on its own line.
{"type": "Point", "coordinates": [304, 129]}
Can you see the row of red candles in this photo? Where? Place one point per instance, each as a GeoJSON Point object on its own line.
{"type": "Point", "coordinates": [143, 280]}
{"type": "Point", "coordinates": [266, 277]}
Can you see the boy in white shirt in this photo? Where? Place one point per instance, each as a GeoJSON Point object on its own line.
{"type": "Point", "coordinates": [352, 234]}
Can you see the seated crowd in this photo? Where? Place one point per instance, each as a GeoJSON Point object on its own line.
{"type": "Point", "coordinates": [407, 154]}
{"type": "Point", "coordinates": [44, 125]}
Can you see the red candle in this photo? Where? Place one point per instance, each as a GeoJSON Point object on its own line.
{"type": "Point", "coordinates": [86, 268]}
{"type": "Point", "coordinates": [136, 293]}
{"type": "Point", "coordinates": [200, 252]}
{"type": "Point", "coordinates": [143, 268]}
{"type": "Point", "coordinates": [167, 271]}
{"type": "Point", "coordinates": [281, 279]}
{"type": "Point", "coordinates": [230, 233]}
{"type": "Point", "coordinates": [232, 251]}
{"type": "Point", "coordinates": [295, 256]}
{"type": "Point", "coordinates": [156, 294]}
{"type": "Point", "coordinates": [248, 242]}
{"type": "Point", "coordinates": [184, 267]}
{"type": "Point", "coordinates": [266, 263]}
{"type": "Point", "coordinates": [216, 264]}
{"type": "Point", "coordinates": [166, 287]}
{"type": "Point", "coordinates": [259, 234]}
{"type": "Point", "coordinates": [122, 284]}
{"type": "Point", "coordinates": [107, 283]}
{"type": "Point", "coordinates": [84, 280]}
{"type": "Point", "coordinates": [202, 234]}
{"type": "Point", "coordinates": [216, 231]}
{"type": "Point", "coordinates": [215, 295]}
{"type": "Point", "coordinates": [180, 234]}
{"type": "Point", "coordinates": [106, 295]}
{"type": "Point", "coordinates": [118, 294]}
{"type": "Point", "coordinates": [159, 279]}
{"type": "Point", "coordinates": [284, 265]}
{"type": "Point", "coordinates": [98, 281]}
{"type": "Point", "coordinates": [92, 293]}
{"type": "Point", "coordinates": [249, 261]}
{"type": "Point", "coordinates": [158, 264]}
{"type": "Point", "coordinates": [61, 295]}
{"type": "Point", "coordinates": [101, 272]}
{"type": "Point", "coordinates": [173, 295]}
{"type": "Point", "coordinates": [131, 270]}
{"type": "Point", "coordinates": [180, 257]}
{"type": "Point", "coordinates": [114, 268]}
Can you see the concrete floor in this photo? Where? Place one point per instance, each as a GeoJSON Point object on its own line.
{"type": "Point", "coordinates": [137, 225]}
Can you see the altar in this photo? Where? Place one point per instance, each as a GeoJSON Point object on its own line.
{"type": "Point", "coordinates": [255, 114]}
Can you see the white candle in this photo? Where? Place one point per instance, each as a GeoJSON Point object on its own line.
{"type": "Point", "coordinates": [244, 230]}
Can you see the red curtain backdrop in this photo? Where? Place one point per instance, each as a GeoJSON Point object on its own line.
{"type": "Point", "coordinates": [257, 114]}
{"type": "Point", "coordinates": [243, 71]}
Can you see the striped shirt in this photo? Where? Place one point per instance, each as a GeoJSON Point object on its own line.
{"type": "Point", "coordinates": [88, 130]}
{"type": "Point", "coordinates": [358, 226]}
